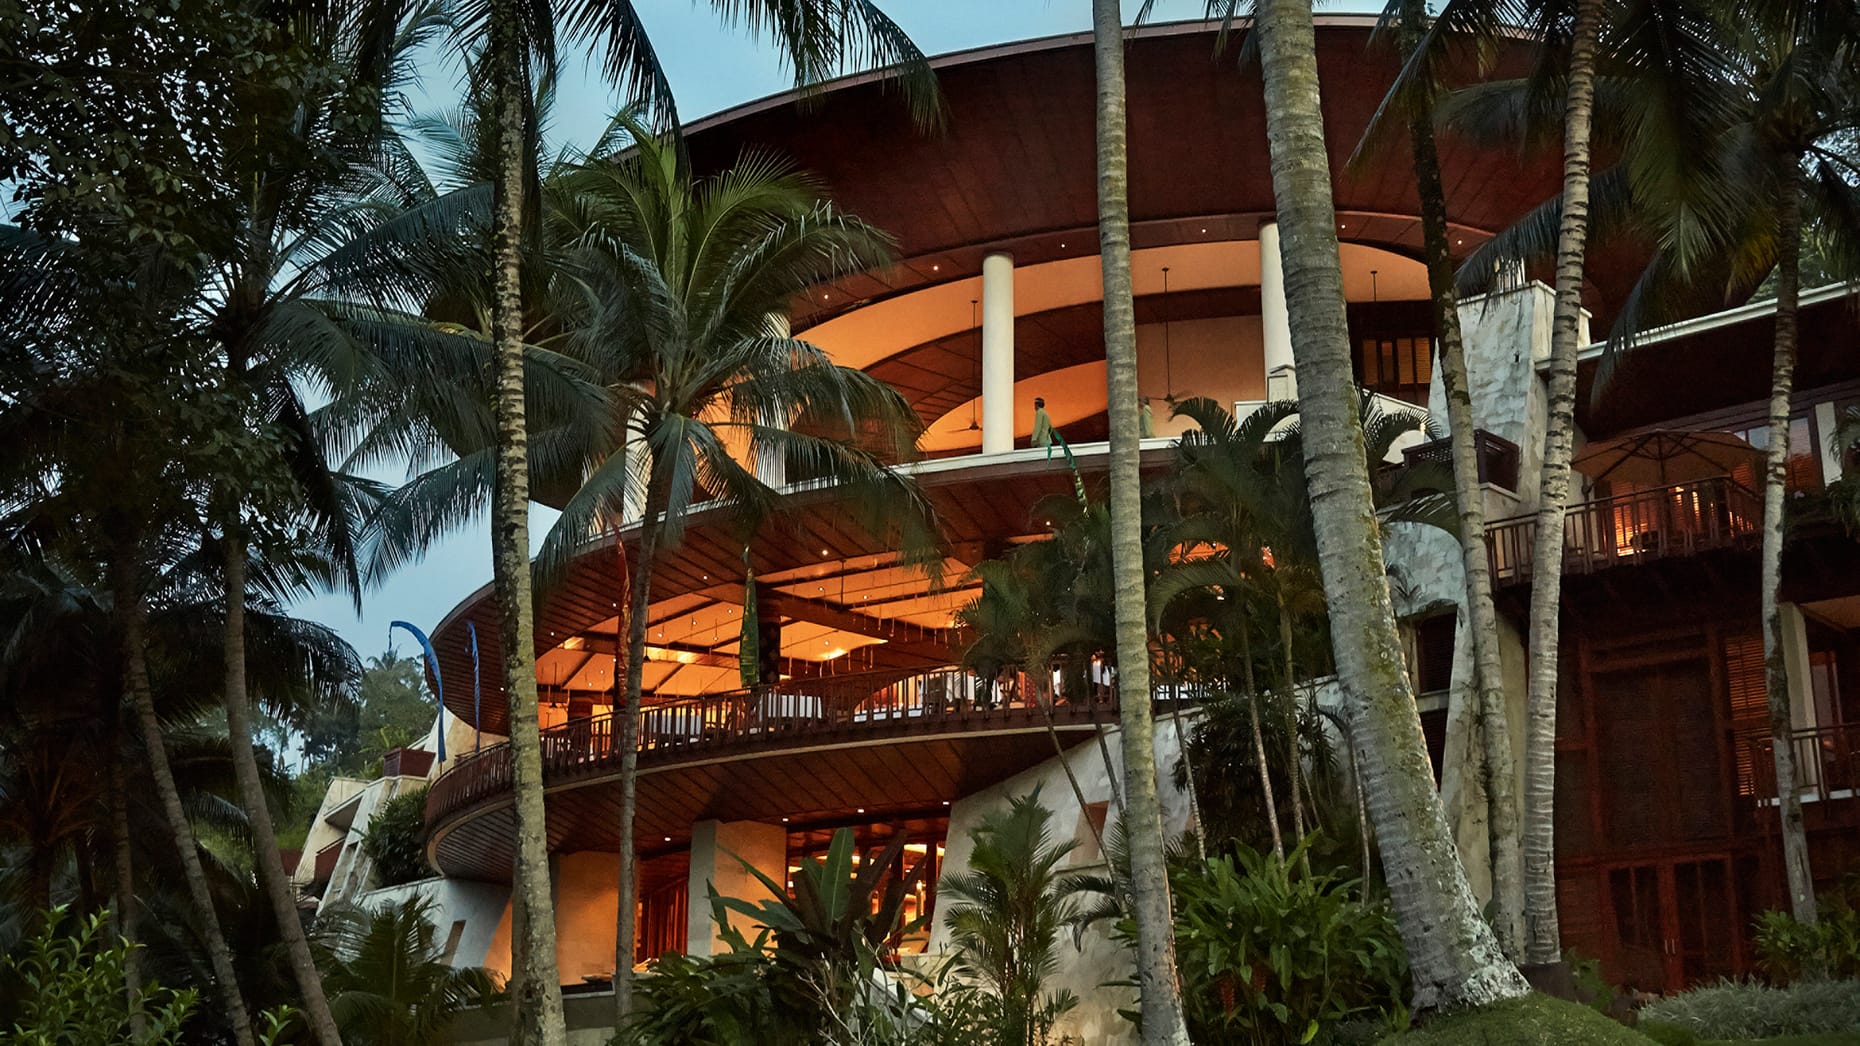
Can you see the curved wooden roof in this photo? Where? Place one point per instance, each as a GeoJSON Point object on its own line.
{"type": "Point", "coordinates": [1013, 165]}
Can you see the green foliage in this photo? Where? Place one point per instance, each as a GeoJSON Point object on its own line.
{"type": "Point", "coordinates": [814, 971]}
{"type": "Point", "coordinates": [69, 985]}
{"type": "Point", "coordinates": [1005, 914]}
{"type": "Point", "coordinates": [1788, 950]}
{"type": "Point", "coordinates": [836, 918]}
{"type": "Point", "coordinates": [392, 710]}
{"type": "Point", "coordinates": [1667, 1034]}
{"type": "Point", "coordinates": [386, 982]}
{"type": "Point", "coordinates": [1270, 953]}
{"type": "Point", "coordinates": [1748, 1010]}
{"type": "Point", "coordinates": [395, 839]}
{"type": "Point", "coordinates": [1534, 1020]}
{"type": "Point", "coordinates": [748, 995]}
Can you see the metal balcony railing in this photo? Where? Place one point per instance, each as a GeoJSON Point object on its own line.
{"type": "Point", "coordinates": [1680, 519]}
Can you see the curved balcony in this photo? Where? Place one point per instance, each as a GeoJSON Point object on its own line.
{"type": "Point", "coordinates": [872, 745]}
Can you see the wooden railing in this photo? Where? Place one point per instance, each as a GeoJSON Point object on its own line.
{"type": "Point", "coordinates": [1827, 761]}
{"type": "Point", "coordinates": [770, 716]}
{"type": "Point", "coordinates": [1681, 519]}
{"type": "Point", "coordinates": [1498, 457]}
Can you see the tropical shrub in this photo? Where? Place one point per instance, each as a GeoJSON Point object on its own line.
{"type": "Point", "coordinates": [1748, 1010]}
{"type": "Point", "coordinates": [394, 840]}
{"type": "Point", "coordinates": [66, 989]}
{"type": "Point", "coordinates": [1272, 953]}
{"type": "Point", "coordinates": [387, 982]}
{"type": "Point", "coordinates": [1788, 950]}
{"type": "Point", "coordinates": [1005, 915]}
{"type": "Point", "coordinates": [816, 971]}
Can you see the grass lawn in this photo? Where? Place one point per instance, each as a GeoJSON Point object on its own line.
{"type": "Point", "coordinates": [1828, 1039]}
{"type": "Point", "coordinates": [1538, 1020]}
{"type": "Point", "coordinates": [1535, 1020]}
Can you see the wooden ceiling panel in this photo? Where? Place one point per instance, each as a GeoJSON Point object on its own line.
{"type": "Point", "coordinates": [909, 777]}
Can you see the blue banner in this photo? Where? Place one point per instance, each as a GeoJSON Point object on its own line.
{"type": "Point", "coordinates": [477, 710]}
{"type": "Point", "coordinates": [432, 662]}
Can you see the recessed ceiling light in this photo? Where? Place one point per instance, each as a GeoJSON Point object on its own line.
{"type": "Point", "coordinates": [784, 820]}
{"type": "Point", "coordinates": [668, 838]}
{"type": "Point", "coordinates": [862, 809]}
{"type": "Point", "coordinates": [936, 268]}
{"type": "Point", "coordinates": [1062, 246]}
{"type": "Point", "coordinates": [1204, 230]}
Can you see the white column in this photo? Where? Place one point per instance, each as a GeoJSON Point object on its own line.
{"type": "Point", "coordinates": [718, 850]}
{"type": "Point", "coordinates": [1274, 321]}
{"type": "Point", "coordinates": [997, 353]}
{"type": "Point", "coordinates": [771, 465]}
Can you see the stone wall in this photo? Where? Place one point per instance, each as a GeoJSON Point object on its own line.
{"type": "Point", "coordinates": [1091, 969]}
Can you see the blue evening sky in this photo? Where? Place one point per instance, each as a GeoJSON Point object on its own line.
{"type": "Point", "coordinates": [711, 68]}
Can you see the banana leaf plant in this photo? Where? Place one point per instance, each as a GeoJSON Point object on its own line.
{"type": "Point", "coordinates": [836, 915]}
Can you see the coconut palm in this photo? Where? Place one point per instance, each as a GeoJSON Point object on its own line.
{"type": "Point", "coordinates": [1412, 100]}
{"type": "Point", "coordinates": [1802, 97]}
{"type": "Point", "coordinates": [515, 39]}
{"type": "Point", "coordinates": [1456, 961]}
{"type": "Point", "coordinates": [91, 422]}
{"type": "Point", "coordinates": [303, 299]}
{"type": "Point", "coordinates": [1156, 975]}
{"type": "Point", "coordinates": [687, 279]}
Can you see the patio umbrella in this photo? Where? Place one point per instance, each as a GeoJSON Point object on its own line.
{"type": "Point", "coordinates": [1662, 456]}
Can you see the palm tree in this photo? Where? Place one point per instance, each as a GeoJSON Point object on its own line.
{"type": "Point", "coordinates": [1243, 499]}
{"type": "Point", "coordinates": [688, 276]}
{"type": "Point", "coordinates": [302, 299]}
{"type": "Point", "coordinates": [90, 470]}
{"type": "Point", "coordinates": [1156, 976]}
{"type": "Point", "coordinates": [1414, 96]}
{"type": "Point", "coordinates": [818, 40]}
{"type": "Point", "coordinates": [1006, 912]}
{"type": "Point", "coordinates": [389, 983]}
{"type": "Point", "coordinates": [1800, 90]}
{"type": "Point", "coordinates": [1455, 960]}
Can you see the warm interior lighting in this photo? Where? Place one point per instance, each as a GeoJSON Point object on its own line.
{"type": "Point", "coordinates": [573, 643]}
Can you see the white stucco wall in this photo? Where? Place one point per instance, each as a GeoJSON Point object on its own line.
{"type": "Point", "coordinates": [1086, 972]}
{"type": "Point", "coordinates": [478, 905]}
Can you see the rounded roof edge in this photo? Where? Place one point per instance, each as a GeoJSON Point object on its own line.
{"type": "Point", "coordinates": [989, 52]}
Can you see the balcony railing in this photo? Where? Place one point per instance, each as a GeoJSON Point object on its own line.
{"type": "Point", "coordinates": [1498, 458]}
{"type": "Point", "coordinates": [1681, 519]}
{"type": "Point", "coordinates": [793, 710]}
{"type": "Point", "coordinates": [1827, 761]}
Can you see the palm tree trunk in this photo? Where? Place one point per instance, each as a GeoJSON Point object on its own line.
{"type": "Point", "coordinates": [133, 618]}
{"type": "Point", "coordinates": [1775, 489]}
{"type": "Point", "coordinates": [271, 874]}
{"type": "Point", "coordinates": [1072, 779]}
{"type": "Point", "coordinates": [1259, 740]}
{"type": "Point", "coordinates": [128, 915]}
{"type": "Point", "coordinates": [1543, 941]}
{"type": "Point", "coordinates": [1294, 767]}
{"type": "Point", "coordinates": [536, 988]}
{"type": "Point", "coordinates": [1188, 774]}
{"type": "Point", "coordinates": [1156, 973]}
{"type": "Point", "coordinates": [639, 601]}
{"type": "Point", "coordinates": [1454, 959]}
{"type": "Point", "coordinates": [1502, 819]}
